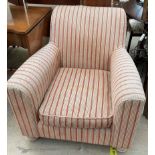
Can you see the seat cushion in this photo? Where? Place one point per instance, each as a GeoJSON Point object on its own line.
{"type": "Point", "coordinates": [78, 98]}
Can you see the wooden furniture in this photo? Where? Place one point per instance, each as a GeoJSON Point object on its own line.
{"type": "Point", "coordinates": [27, 30]}
{"type": "Point", "coordinates": [105, 3]}
{"type": "Point", "coordinates": [145, 11]}
{"type": "Point", "coordinates": [16, 2]}
{"type": "Point", "coordinates": [58, 2]}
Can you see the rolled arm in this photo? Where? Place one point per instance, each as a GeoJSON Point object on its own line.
{"type": "Point", "coordinates": [128, 98]}
{"type": "Point", "coordinates": [27, 87]}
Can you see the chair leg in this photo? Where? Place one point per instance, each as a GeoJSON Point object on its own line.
{"type": "Point", "coordinates": [129, 43]}
{"type": "Point", "coordinates": [121, 150]}
{"type": "Point", "coordinates": [31, 139]}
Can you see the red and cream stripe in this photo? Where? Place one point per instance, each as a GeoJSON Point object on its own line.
{"type": "Point", "coordinates": [96, 96]}
{"type": "Point", "coordinates": [127, 98]}
{"type": "Point", "coordinates": [84, 40]}
{"type": "Point", "coordinates": [74, 134]}
{"type": "Point", "coordinates": [27, 87]}
{"type": "Point", "coordinates": [72, 103]}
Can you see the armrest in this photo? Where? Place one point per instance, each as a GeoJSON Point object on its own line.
{"type": "Point", "coordinates": [27, 87]}
{"type": "Point", "coordinates": [128, 98]}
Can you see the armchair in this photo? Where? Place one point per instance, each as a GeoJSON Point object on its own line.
{"type": "Point", "coordinates": [82, 86]}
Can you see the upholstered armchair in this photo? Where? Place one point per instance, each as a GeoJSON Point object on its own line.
{"type": "Point", "coordinates": [82, 86]}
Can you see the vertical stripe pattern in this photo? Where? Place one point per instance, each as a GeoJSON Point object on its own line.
{"type": "Point", "coordinates": [72, 97]}
{"type": "Point", "coordinates": [87, 36]}
{"type": "Point", "coordinates": [27, 87]}
{"type": "Point", "coordinates": [127, 98]}
{"type": "Point", "coordinates": [91, 136]}
{"type": "Point", "coordinates": [83, 86]}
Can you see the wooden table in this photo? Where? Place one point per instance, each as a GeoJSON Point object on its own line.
{"type": "Point", "coordinates": [27, 30]}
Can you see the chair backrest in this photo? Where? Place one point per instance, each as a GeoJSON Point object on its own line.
{"type": "Point", "coordinates": [87, 36]}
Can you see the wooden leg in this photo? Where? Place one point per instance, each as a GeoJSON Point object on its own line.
{"type": "Point", "coordinates": [121, 150]}
{"type": "Point", "coordinates": [129, 43]}
{"type": "Point", "coordinates": [31, 139]}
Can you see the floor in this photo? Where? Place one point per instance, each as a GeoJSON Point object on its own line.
{"type": "Point", "coordinates": [19, 145]}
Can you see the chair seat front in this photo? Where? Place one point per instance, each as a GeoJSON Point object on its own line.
{"type": "Point", "coordinates": [78, 98]}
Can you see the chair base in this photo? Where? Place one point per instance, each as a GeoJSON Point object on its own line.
{"type": "Point", "coordinates": [121, 150]}
{"type": "Point", "coordinates": [31, 139]}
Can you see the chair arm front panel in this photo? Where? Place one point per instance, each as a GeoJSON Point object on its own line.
{"type": "Point", "coordinates": [128, 98]}
{"type": "Point", "coordinates": [28, 85]}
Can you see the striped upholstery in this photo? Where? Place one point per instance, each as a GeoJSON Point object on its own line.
{"type": "Point", "coordinates": [127, 97]}
{"type": "Point", "coordinates": [78, 98]}
{"type": "Point", "coordinates": [27, 87]}
{"type": "Point", "coordinates": [86, 36]}
{"type": "Point", "coordinates": [83, 86]}
{"type": "Point", "coordinates": [92, 136]}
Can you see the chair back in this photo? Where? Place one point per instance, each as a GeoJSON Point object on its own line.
{"type": "Point", "coordinates": [87, 36]}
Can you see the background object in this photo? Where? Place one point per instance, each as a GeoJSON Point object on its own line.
{"type": "Point", "coordinates": [9, 15]}
{"type": "Point", "coordinates": [145, 11]}
{"type": "Point", "coordinates": [105, 3]}
{"type": "Point", "coordinates": [28, 34]}
{"type": "Point", "coordinates": [57, 2]}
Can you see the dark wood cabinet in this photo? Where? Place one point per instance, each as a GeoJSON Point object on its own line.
{"type": "Point", "coordinates": [58, 2]}
{"type": "Point", "coordinates": [67, 2]}
{"type": "Point", "coordinates": [106, 3]}
{"type": "Point", "coordinates": [16, 2]}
